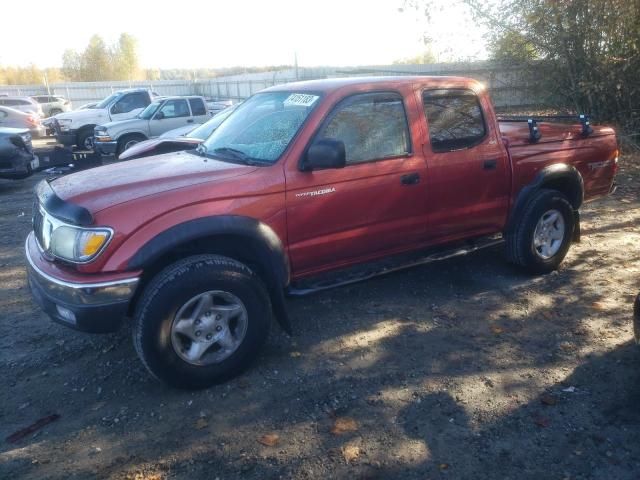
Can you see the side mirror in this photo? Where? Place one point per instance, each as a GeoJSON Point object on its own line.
{"type": "Point", "coordinates": [159, 115]}
{"type": "Point", "coordinates": [324, 154]}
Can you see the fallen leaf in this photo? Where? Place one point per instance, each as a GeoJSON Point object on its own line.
{"type": "Point", "coordinates": [350, 452]}
{"type": "Point", "coordinates": [269, 440]}
{"type": "Point", "coordinates": [344, 425]}
{"type": "Point", "coordinates": [497, 330]}
{"type": "Point", "coordinates": [295, 354]}
{"type": "Point", "coordinates": [202, 423]}
{"type": "Point", "coordinates": [598, 306]}
{"type": "Point", "coordinates": [443, 466]}
{"type": "Point", "coordinates": [548, 400]}
{"type": "Point", "coordinates": [547, 315]}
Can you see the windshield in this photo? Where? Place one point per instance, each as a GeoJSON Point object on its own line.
{"type": "Point", "coordinates": [148, 112]}
{"type": "Point", "coordinates": [207, 128]}
{"type": "Point", "coordinates": [261, 128]}
{"type": "Point", "coordinates": [104, 103]}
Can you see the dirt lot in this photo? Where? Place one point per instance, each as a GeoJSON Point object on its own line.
{"type": "Point", "coordinates": [463, 369]}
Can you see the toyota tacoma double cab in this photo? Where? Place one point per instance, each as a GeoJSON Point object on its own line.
{"type": "Point", "coordinates": [76, 127]}
{"type": "Point", "coordinates": [305, 186]}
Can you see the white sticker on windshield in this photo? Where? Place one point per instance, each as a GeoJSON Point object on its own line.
{"type": "Point", "coordinates": [300, 100]}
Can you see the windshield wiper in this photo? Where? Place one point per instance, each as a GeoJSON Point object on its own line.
{"type": "Point", "coordinates": [236, 154]}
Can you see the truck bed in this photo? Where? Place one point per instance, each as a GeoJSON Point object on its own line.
{"type": "Point", "coordinates": [595, 155]}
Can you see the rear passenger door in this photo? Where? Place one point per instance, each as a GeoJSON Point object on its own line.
{"type": "Point", "coordinates": [468, 184]}
{"type": "Point", "coordinates": [198, 110]}
{"type": "Point", "coordinates": [375, 204]}
{"type": "Point", "coordinates": [172, 114]}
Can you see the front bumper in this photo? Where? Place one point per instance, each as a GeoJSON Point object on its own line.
{"type": "Point", "coordinates": [105, 148]}
{"type": "Point", "coordinates": [19, 166]}
{"type": "Point", "coordinates": [91, 306]}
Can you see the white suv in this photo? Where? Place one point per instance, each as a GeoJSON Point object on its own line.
{"type": "Point", "coordinates": [52, 104]}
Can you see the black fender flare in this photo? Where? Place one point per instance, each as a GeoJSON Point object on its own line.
{"type": "Point", "coordinates": [551, 176]}
{"type": "Point", "coordinates": [267, 247]}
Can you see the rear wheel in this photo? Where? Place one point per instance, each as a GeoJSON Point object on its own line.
{"type": "Point", "coordinates": [201, 321]}
{"type": "Point", "coordinates": [542, 235]}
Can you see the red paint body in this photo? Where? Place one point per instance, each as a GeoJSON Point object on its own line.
{"type": "Point", "coordinates": [369, 215]}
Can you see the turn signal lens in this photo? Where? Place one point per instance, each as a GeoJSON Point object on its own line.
{"type": "Point", "coordinates": [93, 242]}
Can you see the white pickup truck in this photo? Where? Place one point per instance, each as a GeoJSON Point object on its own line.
{"type": "Point", "coordinates": [164, 114]}
{"type": "Point", "coordinates": [76, 127]}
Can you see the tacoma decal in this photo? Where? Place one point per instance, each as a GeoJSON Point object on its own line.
{"type": "Point", "coordinates": [315, 193]}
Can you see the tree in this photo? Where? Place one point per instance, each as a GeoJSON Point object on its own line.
{"type": "Point", "coordinates": [126, 58]}
{"type": "Point", "coordinates": [95, 61]}
{"type": "Point", "coordinates": [584, 53]}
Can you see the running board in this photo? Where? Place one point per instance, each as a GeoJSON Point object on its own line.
{"type": "Point", "coordinates": [387, 265]}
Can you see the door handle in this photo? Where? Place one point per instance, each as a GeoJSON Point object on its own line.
{"type": "Point", "coordinates": [190, 120]}
{"type": "Point", "coordinates": [410, 179]}
{"type": "Point", "coordinates": [490, 164]}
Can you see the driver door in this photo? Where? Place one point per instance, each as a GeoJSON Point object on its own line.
{"type": "Point", "coordinates": [172, 114]}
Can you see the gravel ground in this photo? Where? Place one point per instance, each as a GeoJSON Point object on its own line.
{"type": "Point", "coordinates": [463, 369]}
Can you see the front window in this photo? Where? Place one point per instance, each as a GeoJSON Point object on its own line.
{"type": "Point", "coordinates": [174, 109]}
{"type": "Point", "coordinates": [148, 112]}
{"type": "Point", "coordinates": [105, 103]}
{"type": "Point", "coordinates": [261, 128]}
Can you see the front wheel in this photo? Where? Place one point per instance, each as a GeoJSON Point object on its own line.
{"type": "Point", "coordinates": [85, 139]}
{"type": "Point", "coordinates": [541, 238]}
{"type": "Point", "coordinates": [201, 321]}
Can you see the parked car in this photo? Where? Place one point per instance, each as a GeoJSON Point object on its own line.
{"type": "Point", "coordinates": [217, 106]}
{"type": "Point", "coordinates": [17, 160]}
{"type": "Point", "coordinates": [176, 140]}
{"type": "Point", "coordinates": [160, 116]}
{"type": "Point", "coordinates": [305, 186]}
{"type": "Point", "coordinates": [24, 104]}
{"type": "Point", "coordinates": [76, 127]}
{"type": "Point", "coordinates": [52, 104]}
{"type": "Point", "coordinates": [10, 117]}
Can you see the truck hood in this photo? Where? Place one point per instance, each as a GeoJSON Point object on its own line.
{"type": "Point", "coordinates": [92, 115]}
{"type": "Point", "coordinates": [99, 188]}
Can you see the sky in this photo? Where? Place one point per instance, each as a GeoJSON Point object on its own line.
{"type": "Point", "coordinates": [216, 34]}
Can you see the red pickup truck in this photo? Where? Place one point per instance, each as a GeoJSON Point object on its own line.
{"type": "Point", "coordinates": [305, 186]}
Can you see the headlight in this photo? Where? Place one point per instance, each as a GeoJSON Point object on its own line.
{"type": "Point", "coordinates": [101, 135]}
{"type": "Point", "coordinates": [65, 123]}
{"type": "Point", "coordinates": [78, 245]}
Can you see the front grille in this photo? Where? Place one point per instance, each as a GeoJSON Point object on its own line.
{"type": "Point", "coordinates": [37, 223]}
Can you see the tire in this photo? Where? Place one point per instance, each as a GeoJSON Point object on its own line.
{"type": "Point", "coordinates": [162, 347]}
{"type": "Point", "coordinates": [127, 141]}
{"type": "Point", "coordinates": [85, 139]}
{"type": "Point", "coordinates": [544, 206]}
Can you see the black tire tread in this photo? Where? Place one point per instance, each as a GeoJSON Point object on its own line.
{"type": "Point", "coordinates": [169, 274]}
{"type": "Point", "coordinates": [516, 241]}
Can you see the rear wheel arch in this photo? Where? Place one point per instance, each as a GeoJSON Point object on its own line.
{"type": "Point", "coordinates": [561, 177]}
{"type": "Point", "coordinates": [243, 239]}
{"type": "Point", "coordinates": [123, 140]}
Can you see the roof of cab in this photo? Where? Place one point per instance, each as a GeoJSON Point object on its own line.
{"type": "Point", "coordinates": [333, 84]}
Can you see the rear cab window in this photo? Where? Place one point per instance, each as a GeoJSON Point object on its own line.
{"type": "Point", "coordinates": [455, 119]}
{"type": "Point", "coordinates": [372, 126]}
{"type": "Point", "coordinates": [197, 107]}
